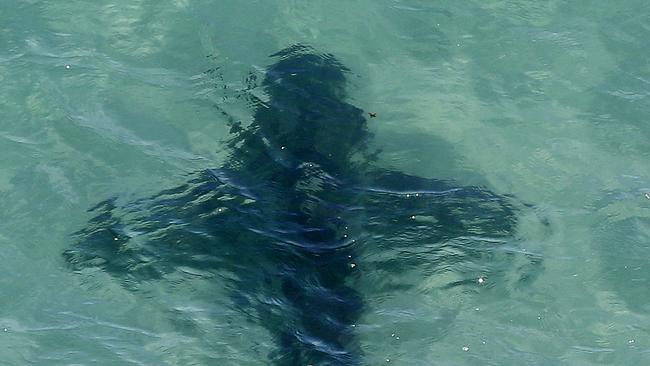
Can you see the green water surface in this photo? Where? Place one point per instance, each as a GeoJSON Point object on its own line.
{"type": "Point", "coordinates": [545, 100]}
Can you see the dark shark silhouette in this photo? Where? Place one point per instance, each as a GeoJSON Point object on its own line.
{"type": "Point", "coordinates": [290, 214]}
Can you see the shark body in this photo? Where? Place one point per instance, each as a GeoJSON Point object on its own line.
{"type": "Point", "coordinates": [292, 214]}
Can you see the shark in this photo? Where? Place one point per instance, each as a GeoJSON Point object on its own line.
{"type": "Point", "coordinates": [292, 213]}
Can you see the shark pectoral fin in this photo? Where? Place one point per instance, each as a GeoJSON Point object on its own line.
{"type": "Point", "coordinates": [450, 234]}
{"type": "Point", "coordinates": [156, 235]}
{"type": "Point", "coordinates": [449, 209]}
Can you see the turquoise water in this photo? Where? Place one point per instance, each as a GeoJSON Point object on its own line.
{"type": "Point", "coordinates": [545, 101]}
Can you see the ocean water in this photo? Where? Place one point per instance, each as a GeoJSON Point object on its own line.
{"type": "Point", "coordinates": [542, 103]}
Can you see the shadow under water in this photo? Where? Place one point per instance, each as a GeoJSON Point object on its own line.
{"type": "Point", "coordinates": [291, 213]}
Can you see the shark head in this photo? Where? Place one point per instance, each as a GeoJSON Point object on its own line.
{"type": "Point", "coordinates": [307, 116]}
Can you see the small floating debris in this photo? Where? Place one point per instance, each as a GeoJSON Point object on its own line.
{"type": "Point", "coordinates": [67, 66]}
{"type": "Point", "coordinates": [647, 195]}
{"type": "Point", "coordinates": [352, 265]}
{"type": "Point", "coordinates": [481, 280]}
{"type": "Point", "coordinates": [372, 114]}
{"type": "Point", "coordinates": [465, 348]}
{"type": "Point", "coordinates": [630, 341]}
